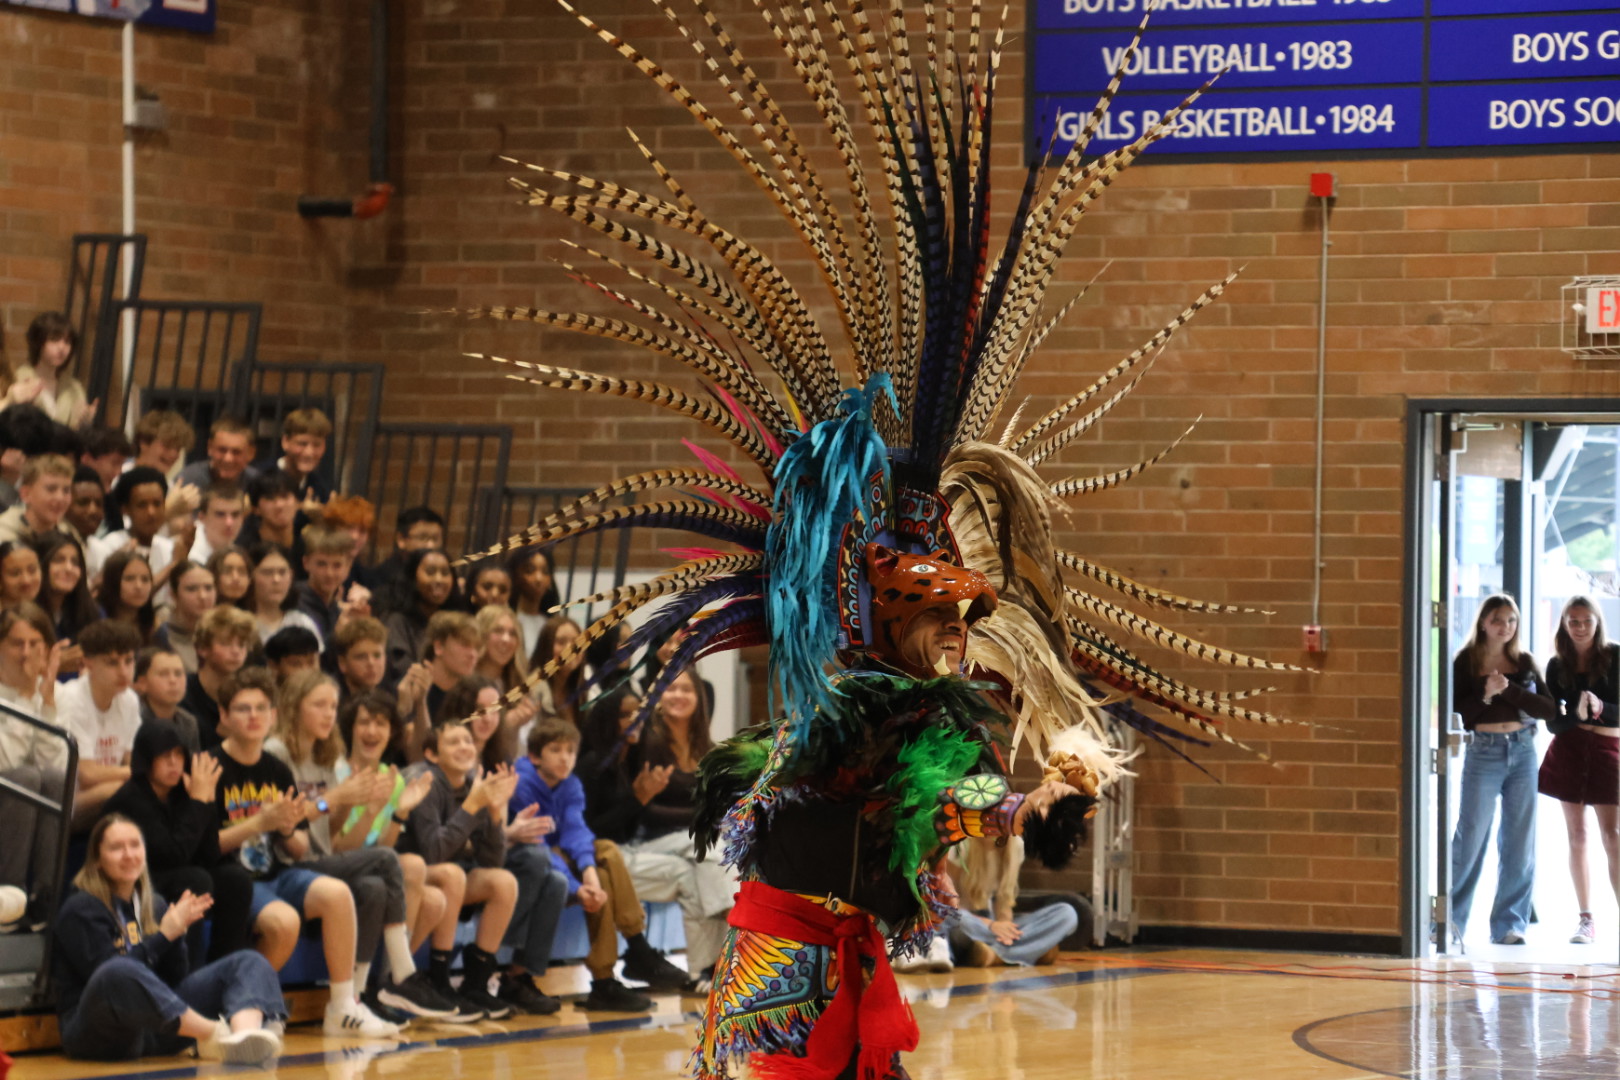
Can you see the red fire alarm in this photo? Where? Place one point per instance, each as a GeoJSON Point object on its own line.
{"type": "Point", "coordinates": [1315, 639]}
{"type": "Point", "coordinates": [1324, 185]}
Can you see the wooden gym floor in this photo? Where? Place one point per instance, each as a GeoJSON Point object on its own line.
{"type": "Point", "coordinates": [1120, 1014]}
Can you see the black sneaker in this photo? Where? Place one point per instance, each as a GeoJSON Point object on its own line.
{"type": "Point", "coordinates": [415, 996]}
{"type": "Point", "coordinates": [611, 995]}
{"type": "Point", "coordinates": [476, 996]}
{"type": "Point", "coordinates": [653, 969]}
{"type": "Point", "coordinates": [465, 1012]}
{"type": "Point", "coordinates": [385, 1011]}
{"type": "Point", "coordinates": [520, 993]}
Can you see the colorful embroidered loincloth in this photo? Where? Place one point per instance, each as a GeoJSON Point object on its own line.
{"type": "Point", "coordinates": [779, 973]}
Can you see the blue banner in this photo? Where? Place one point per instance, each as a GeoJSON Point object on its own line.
{"type": "Point", "coordinates": [1261, 56]}
{"type": "Point", "coordinates": [1096, 14]}
{"type": "Point", "coordinates": [1542, 47]}
{"type": "Point", "coordinates": [1247, 123]}
{"type": "Point", "coordinates": [194, 15]}
{"type": "Point", "coordinates": [1525, 114]}
{"type": "Point", "coordinates": [1446, 8]}
{"type": "Point", "coordinates": [1325, 76]}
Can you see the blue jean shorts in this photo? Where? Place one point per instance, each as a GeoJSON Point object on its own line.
{"type": "Point", "coordinates": [289, 885]}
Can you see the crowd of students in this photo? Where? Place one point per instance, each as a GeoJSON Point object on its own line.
{"type": "Point", "coordinates": [272, 734]}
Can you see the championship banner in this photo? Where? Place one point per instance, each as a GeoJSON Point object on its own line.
{"type": "Point", "coordinates": [194, 15]}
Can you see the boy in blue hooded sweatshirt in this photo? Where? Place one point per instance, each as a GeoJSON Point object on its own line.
{"type": "Point", "coordinates": [595, 870]}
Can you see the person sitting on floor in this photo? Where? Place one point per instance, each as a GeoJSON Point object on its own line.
{"type": "Point", "coordinates": [124, 982]}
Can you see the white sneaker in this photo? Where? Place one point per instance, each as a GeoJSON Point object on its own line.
{"type": "Point", "coordinates": [253, 1047]}
{"type": "Point", "coordinates": [355, 1021]}
{"type": "Point", "coordinates": [939, 954]}
{"type": "Point", "coordinates": [1585, 932]}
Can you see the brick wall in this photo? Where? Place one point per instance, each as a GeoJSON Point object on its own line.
{"type": "Point", "coordinates": [1445, 282]}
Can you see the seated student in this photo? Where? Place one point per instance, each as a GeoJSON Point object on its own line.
{"type": "Point", "coordinates": [103, 714]}
{"type": "Point", "coordinates": [272, 513]}
{"type": "Point", "coordinates": [270, 598]}
{"type": "Point", "coordinates": [25, 433]}
{"type": "Point", "coordinates": [291, 651]}
{"type": "Point", "coordinates": [106, 451]}
{"type": "Point", "coordinates": [232, 574]}
{"type": "Point", "coordinates": [45, 491]}
{"type": "Point", "coordinates": [304, 434]}
{"type": "Point", "coordinates": [64, 593]}
{"type": "Point", "coordinates": [659, 853]}
{"type": "Point", "coordinates": [124, 983]}
{"type": "Point", "coordinates": [162, 438]}
{"type": "Point", "coordinates": [354, 517]}
{"type": "Point", "coordinates": [194, 597]}
{"type": "Point", "coordinates": [170, 795]}
{"type": "Point", "coordinates": [140, 496]}
{"type": "Point", "coordinates": [87, 508]}
{"type": "Point", "coordinates": [384, 885]}
{"type": "Point", "coordinates": [264, 824]}
{"type": "Point", "coordinates": [360, 652]}
{"type": "Point", "coordinates": [327, 596]}
{"type": "Point", "coordinates": [125, 593]}
{"type": "Point", "coordinates": [451, 653]}
{"type": "Point", "coordinates": [461, 820]}
{"type": "Point", "coordinates": [223, 638]}
{"type": "Point", "coordinates": [416, 528]}
{"type": "Point", "coordinates": [29, 758]}
{"type": "Point", "coordinates": [489, 583]}
{"type": "Point", "coordinates": [19, 573]}
{"type": "Point", "coordinates": [370, 725]}
{"type": "Point", "coordinates": [534, 591]}
{"type": "Point", "coordinates": [219, 521]}
{"type": "Point", "coordinates": [160, 682]}
{"type": "Point", "coordinates": [595, 870]}
{"type": "Point", "coordinates": [230, 449]}
{"type": "Point", "coordinates": [984, 928]}
{"type": "Point", "coordinates": [46, 380]}
{"type": "Point", "coordinates": [542, 888]}
{"type": "Point", "coordinates": [431, 589]}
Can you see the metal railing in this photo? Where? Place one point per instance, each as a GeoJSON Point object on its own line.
{"type": "Point", "coordinates": [576, 563]}
{"type": "Point", "coordinates": [183, 355]}
{"type": "Point", "coordinates": [349, 394]}
{"type": "Point", "coordinates": [92, 285]}
{"type": "Point", "coordinates": [458, 470]}
{"type": "Point", "coordinates": [62, 811]}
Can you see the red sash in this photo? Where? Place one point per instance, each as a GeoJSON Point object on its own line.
{"type": "Point", "coordinates": [873, 1017]}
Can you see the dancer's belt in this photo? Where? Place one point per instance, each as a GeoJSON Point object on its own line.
{"type": "Point", "coordinates": [872, 1016]}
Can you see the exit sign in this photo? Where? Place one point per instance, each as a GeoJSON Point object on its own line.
{"type": "Point", "coordinates": [1603, 310]}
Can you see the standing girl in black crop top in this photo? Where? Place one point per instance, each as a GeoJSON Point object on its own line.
{"type": "Point", "coordinates": [1497, 688]}
{"type": "Point", "coordinates": [1582, 766]}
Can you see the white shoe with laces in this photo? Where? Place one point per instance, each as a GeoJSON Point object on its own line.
{"type": "Point", "coordinates": [1585, 932]}
{"type": "Point", "coordinates": [253, 1047]}
{"type": "Point", "coordinates": [355, 1021]}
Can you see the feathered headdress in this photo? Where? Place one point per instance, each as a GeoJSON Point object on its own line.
{"type": "Point", "coordinates": [877, 424]}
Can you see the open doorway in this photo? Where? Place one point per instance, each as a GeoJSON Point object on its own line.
{"type": "Point", "coordinates": [1521, 498]}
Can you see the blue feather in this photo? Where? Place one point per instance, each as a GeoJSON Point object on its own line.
{"type": "Point", "coordinates": [821, 484]}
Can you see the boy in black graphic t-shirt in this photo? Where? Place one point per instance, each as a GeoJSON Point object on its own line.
{"type": "Point", "coordinates": [263, 822]}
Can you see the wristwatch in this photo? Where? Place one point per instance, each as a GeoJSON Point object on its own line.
{"type": "Point", "coordinates": [400, 820]}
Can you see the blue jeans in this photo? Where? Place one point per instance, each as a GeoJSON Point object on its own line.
{"type": "Point", "coordinates": [1497, 766]}
{"type": "Point", "coordinates": [1042, 929]}
{"type": "Point", "coordinates": [128, 1012]}
{"type": "Point", "coordinates": [542, 895]}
